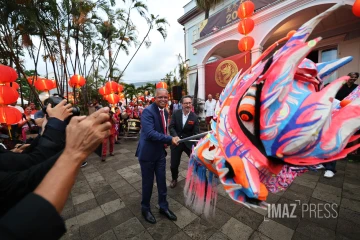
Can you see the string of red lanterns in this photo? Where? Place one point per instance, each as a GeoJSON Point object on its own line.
{"type": "Point", "coordinates": [111, 92]}
{"type": "Point", "coordinates": [77, 81]}
{"type": "Point", "coordinates": [246, 25]}
{"type": "Point", "coordinates": [161, 85]}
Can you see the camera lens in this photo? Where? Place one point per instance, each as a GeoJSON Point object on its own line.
{"type": "Point", "coordinates": [76, 111]}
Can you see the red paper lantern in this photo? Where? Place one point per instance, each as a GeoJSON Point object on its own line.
{"type": "Point", "coordinates": [121, 96]}
{"type": "Point", "coordinates": [246, 43]}
{"type": "Point", "coordinates": [9, 115]}
{"type": "Point", "coordinates": [8, 95]}
{"type": "Point", "coordinates": [356, 8]}
{"type": "Point", "coordinates": [246, 26]}
{"type": "Point", "coordinates": [104, 91]}
{"type": "Point", "coordinates": [7, 74]}
{"type": "Point", "coordinates": [246, 9]}
{"type": "Point", "coordinates": [113, 98]}
{"type": "Point", "coordinates": [120, 88]}
{"type": "Point", "coordinates": [13, 85]}
{"type": "Point", "coordinates": [112, 86]}
{"type": "Point", "coordinates": [33, 78]}
{"type": "Point", "coordinates": [77, 81]}
{"type": "Point", "coordinates": [161, 85]}
{"type": "Point", "coordinates": [44, 84]}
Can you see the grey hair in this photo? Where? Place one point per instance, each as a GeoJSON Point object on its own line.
{"type": "Point", "coordinates": [160, 89]}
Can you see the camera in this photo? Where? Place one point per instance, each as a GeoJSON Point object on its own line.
{"type": "Point", "coordinates": [55, 100]}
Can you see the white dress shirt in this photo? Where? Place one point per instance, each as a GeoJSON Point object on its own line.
{"type": "Point", "coordinates": [184, 118]}
{"type": "Point", "coordinates": [210, 107]}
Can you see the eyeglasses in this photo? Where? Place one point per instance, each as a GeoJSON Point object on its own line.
{"type": "Point", "coordinates": [187, 103]}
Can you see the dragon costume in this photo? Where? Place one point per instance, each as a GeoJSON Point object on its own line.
{"type": "Point", "coordinates": [275, 121]}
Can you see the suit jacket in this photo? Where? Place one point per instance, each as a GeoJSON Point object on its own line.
{"type": "Point", "coordinates": [190, 128]}
{"type": "Point", "coordinates": [152, 137]}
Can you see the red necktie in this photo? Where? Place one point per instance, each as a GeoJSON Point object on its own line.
{"type": "Point", "coordinates": [162, 120]}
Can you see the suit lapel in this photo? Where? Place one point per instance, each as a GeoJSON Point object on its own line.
{"type": "Point", "coordinates": [157, 112]}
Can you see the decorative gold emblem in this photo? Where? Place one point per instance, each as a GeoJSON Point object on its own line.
{"type": "Point", "coordinates": [225, 72]}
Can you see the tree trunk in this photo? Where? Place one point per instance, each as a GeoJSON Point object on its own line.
{"type": "Point", "coordinates": [110, 59]}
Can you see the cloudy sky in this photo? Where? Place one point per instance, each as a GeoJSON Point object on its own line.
{"type": "Point", "coordinates": [161, 58]}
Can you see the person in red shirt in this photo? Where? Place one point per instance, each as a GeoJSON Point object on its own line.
{"type": "Point", "coordinates": [109, 139]}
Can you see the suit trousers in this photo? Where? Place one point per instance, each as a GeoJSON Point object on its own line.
{"type": "Point", "coordinates": [176, 152]}
{"type": "Point", "coordinates": [148, 169]}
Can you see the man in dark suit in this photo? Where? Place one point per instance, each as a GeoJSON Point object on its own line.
{"type": "Point", "coordinates": [151, 154]}
{"type": "Point", "coordinates": [184, 123]}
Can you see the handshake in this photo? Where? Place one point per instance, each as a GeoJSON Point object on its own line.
{"type": "Point", "coordinates": [175, 141]}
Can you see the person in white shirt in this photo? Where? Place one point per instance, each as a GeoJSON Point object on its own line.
{"type": "Point", "coordinates": [210, 105]}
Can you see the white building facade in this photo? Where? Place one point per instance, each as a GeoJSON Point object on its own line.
{"type": "Point", "coordinates": [340, 33]}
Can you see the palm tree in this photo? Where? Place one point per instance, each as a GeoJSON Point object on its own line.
{"type": "Point", "coordinates": [183, 72]}
{"type": "Point", "coordinates": [206, 5]}
{"type": "Point", "coordinates": [129, 91]}
{"type": "Point", "coordinates": [153, 22]}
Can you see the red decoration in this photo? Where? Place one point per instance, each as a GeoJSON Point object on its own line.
{"type": "Point", "coordinates": [161, 85]}
{"type": "Point", "coordinates": [104, 91]}
{"type": "Point", "coordinates": [246, 26]}
{"type": "Point", "coordinates": [77, 81]}
{"type": "Point", "coordinates": [121, 96]}
{"type": "Point", "coordinates": [44, 84]}
{"type": "Point", "coordinates": [112, 86]}
{"type": "Point", "coordinates": [13, 85]}
{"type": "Point", "coordinates": [246, 43]}
{"type": "Point", "coordinates": [113, 98]}
{"type": "Point", "coordinates": [7, 74]}
{"type": "Point", "coordinates": [8, 95]}
{"type": "Point", "coordinates": [33, 78]}
{"type": "Point", "coordinates": [246, 9]}
{"type": "Point", "coordinates": [9, 115]}
{"type": "Point", "coordinates": [344, 102]}
{"type": "Point", "coordinates": [356, 8]}
{"type": "Point", "coordinates": [120, 88]}
{"type": "Point", "coordinates": [290, 34]}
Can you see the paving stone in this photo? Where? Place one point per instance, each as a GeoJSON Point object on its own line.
{"type": "Point", "coordinates": [272, 198]}
{"type": "Point", "coordinates": [128, 229]}
{"type": "Point", "coordinates": [349, 215]}
{"type": "Point", "coordinates": [163, 230]}
{"type": "Point", "coordinates": [218, 236]}
{"type": "Point", "coordinates": [258, 236]}
{"type": "Point", "coordinates": [180, 236]}
{"type": "Point", "coordinates": [96, 179]}
{"type": "Point", "coordinates": [311, 183]}
{"type": "Point", "coordinates": [131, 198]}
{"type": "Point", "coordinates": [68, 213]}
{"type": "Point", "coordinates": [109, 235]}
{"type": "Point", "coordinates": [90, 216]}
{"type": "Point", "coordinates": [228, 206]}
{"type": "Point", "coordinates": [112, 206]}
{"type": "Point", "coordinates": [137, 185]}
{"type": "Point", "coordinates": [136, 210]}
{"type": "Point", "coordinates": [327, 193]}
{"type": "Point", "coordinates": [348, 229]}
{"type": "Point", "coordinates": [72, 224]}
{"type": "Point", "coordinates": [294, 209]}
{"type": "Point", "coordinates": [72, 235]}
{"type": "Point", "coordinates": [300, 236]}
{"type": "Point", "coordinates": [336, 181]}
{"type": "Point", "coordinates": [119, 216]}
{"type": "Point", "coordinates": [98, 184]}
{"type": "Point", "coordinates": [350, 204]}
{"type": "Point", "coordinates": [83, 198]}
{"type": "Point", "coordinates": [92, 175]}
{"type": "Point", "coordinates": [296, 196]}
{"type": "Point", "coordinates": [199, 229]}
{"type": "Point", "coordinates": [95, 228]}
{"type": "Point", "coordinates": [218, 220]}
{"type": "Point", "coordinates": [315, 231]}
{"type": "Point", "coordinates": [143, 235]}
{"type": "Point", "coordinates": [184, 217]}
{"type": "Point", "coordinates": [236, 230]}
{"type": "Point", "coordinates": [107, 197]}
{"type": "Point", "coordinates": [351, 191]}
{"type": "Point", "coordinates": [125, 190]}
{"type": "Point", "coordinates": [249, 217]}
{"type": "Point", "coordinates": [275, 230]}
{"type": "Point", "coordinates": [301, 189]}
{"type": "Point", "coordinates": [118, 184]}
{"type": "Point", "coordinates": [101, 191]}
{"type": "Point", "coordinates": [85, 206]}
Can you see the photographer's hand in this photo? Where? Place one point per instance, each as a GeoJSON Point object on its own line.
{"type": "Point", "coordinates": [61, 111]}
{"type": "Point", "coordinates": [84, 134]}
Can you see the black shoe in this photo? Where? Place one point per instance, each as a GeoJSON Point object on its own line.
{"type": "Point", "coordinates": [173, 183]}
{"type": "Point", "coordinates": [169, 214]}
{"type": "Point", "coordinates": [149, 217]}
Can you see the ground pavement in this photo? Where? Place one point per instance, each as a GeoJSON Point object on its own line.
{"type": "Point", "coordinates": [105, 204]}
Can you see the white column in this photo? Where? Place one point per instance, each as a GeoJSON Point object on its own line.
{"type": "Point", "coordinates": [255, 53]}
{"type": "Point", "coordinates": [201, 85]}
{"type": "Point", "coordinates": [201, 81]}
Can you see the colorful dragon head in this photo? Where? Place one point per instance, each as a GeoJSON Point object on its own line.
{"type": "Point", "coordinates": [275, 121]}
